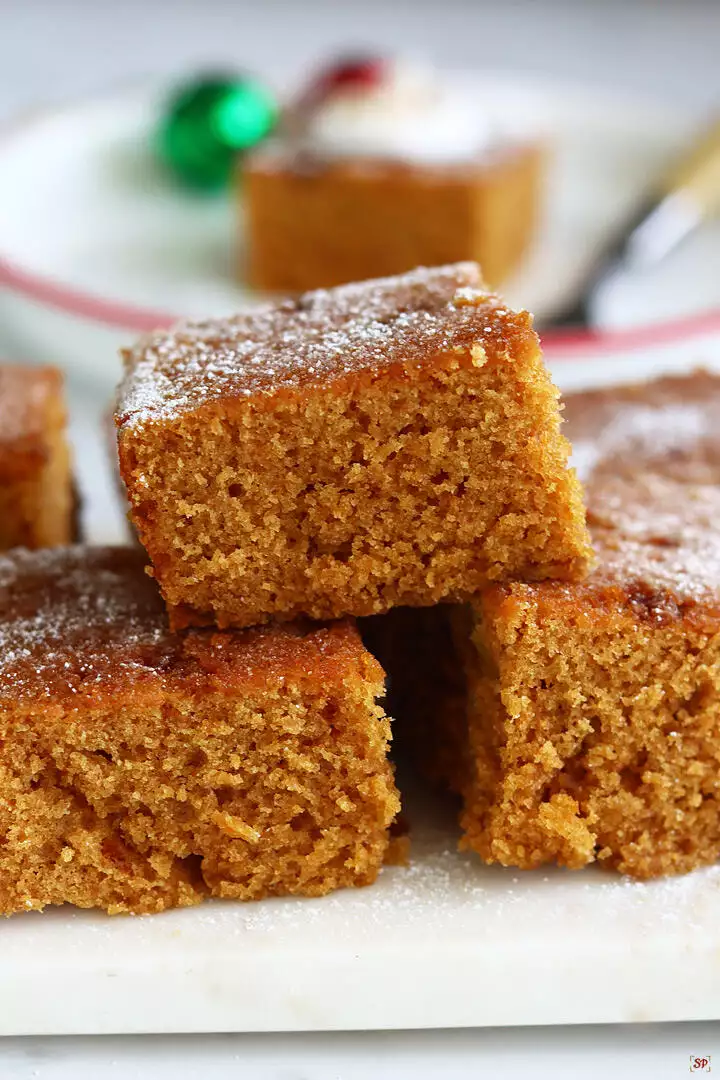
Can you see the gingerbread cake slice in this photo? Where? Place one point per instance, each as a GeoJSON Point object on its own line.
{"type": "Point", "coordinates": [392, 442]}
{"type": "Point", "coordinates": [593, 722]}
{"type": "Point", "coordinates": [37, 497]}
{"type": "Point", "coordinates": [141, 770]}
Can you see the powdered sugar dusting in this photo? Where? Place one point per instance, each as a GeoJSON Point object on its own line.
{"type": "Point", "coordinates": [75, 619]}
{"type": "Point", "coordinates": [659, 535]}
{"type": "Point", "coordinates": [321, 336]}
{"type": "Point", "coordinates": [650, 455]}
{"type": "Point", "coordinates": [452, 894]}
{"type": "Point", "coordinates": [671, 426]}
{"type": "Point", "coordinates": [83, 621]}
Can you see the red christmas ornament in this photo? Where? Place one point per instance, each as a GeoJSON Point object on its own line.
{"type": "Point", "coordinates": [351, 73]}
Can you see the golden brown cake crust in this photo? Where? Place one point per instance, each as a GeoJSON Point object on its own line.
{"type": "Point", "coordinates": [140, 771]}
{"type": "Point", "coordinates": [24, 396]}
{"type": "Point", "coordinates": [81, 622]}
{"type": "Point", "coordinates": [319, 340]}
{"type": "Point", "coordinates": [593, 707]}
{"type": "Point", "coordinates": [390, 443]}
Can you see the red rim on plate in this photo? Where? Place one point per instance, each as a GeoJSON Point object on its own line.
{"type": "Point", "coordinates": [122, 316]}
{"type": "Point", "coordinates": [116, 314]}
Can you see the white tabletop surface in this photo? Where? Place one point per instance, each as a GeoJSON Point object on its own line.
{"type": "Point", "coordinates": [656, 1052]}
{"type": "Point", "coordinates": [58, 49]}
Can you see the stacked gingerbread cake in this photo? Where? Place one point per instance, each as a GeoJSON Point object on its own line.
{"type": "Point", "coordinates": [218, 730]}
{"type": "Point", "coordinates": [201, 717]}
{"type": "Point", "coordinates": [579, 722]}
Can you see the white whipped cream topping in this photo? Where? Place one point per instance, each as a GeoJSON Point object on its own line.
{"type": "Point", "coordinates": [410, 116]}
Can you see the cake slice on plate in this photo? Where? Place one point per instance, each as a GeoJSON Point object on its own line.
{"type": "Point", "coordinates": [382, 167]}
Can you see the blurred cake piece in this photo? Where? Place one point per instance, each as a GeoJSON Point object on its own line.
{"type": "Point", "coordinates": [387, 443]}
{"type": "Point", "coordinates": [37, 496]}
{"type": "Point", "coordinates": [143, 770]}
{"type": "Point", "coordinates": [670, 426]}
{"type": "Point", "coordinates": [380, 168]}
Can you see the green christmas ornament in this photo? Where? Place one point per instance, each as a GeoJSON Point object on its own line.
{"type": "Point", "coordinates": [209, 121]}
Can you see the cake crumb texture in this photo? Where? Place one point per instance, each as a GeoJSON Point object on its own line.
{"type": "Point", "coordinates": [593, 708]}
{"type": "Point", "coordinates": [393, 442]}
{"type": "Point", "coordinates": [142, 770]}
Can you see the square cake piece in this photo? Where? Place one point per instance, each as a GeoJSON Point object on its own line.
{"type": "Point", "coordinates": [324, 223]}
{"type": "Point", "coordinates": [380, 166]}
{"type": "Point", "coordinates": [37, 498]}
{"type": "Point", "coordinates": [142, 770]}
{"type": "Point", "coordinates": [392, 442]}
{"type": "Point", "coordinates": [593, 724]}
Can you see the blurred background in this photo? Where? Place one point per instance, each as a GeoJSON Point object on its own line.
{"type": "Point", "coordinates": [105, 233]}
{"type": "Point", "coordinates": [665, 49]}
{"type": "Point", "coordinates": [100, 238]}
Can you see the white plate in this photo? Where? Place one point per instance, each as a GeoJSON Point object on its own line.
{"type": "Point", "coordinates": [97, 244]}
